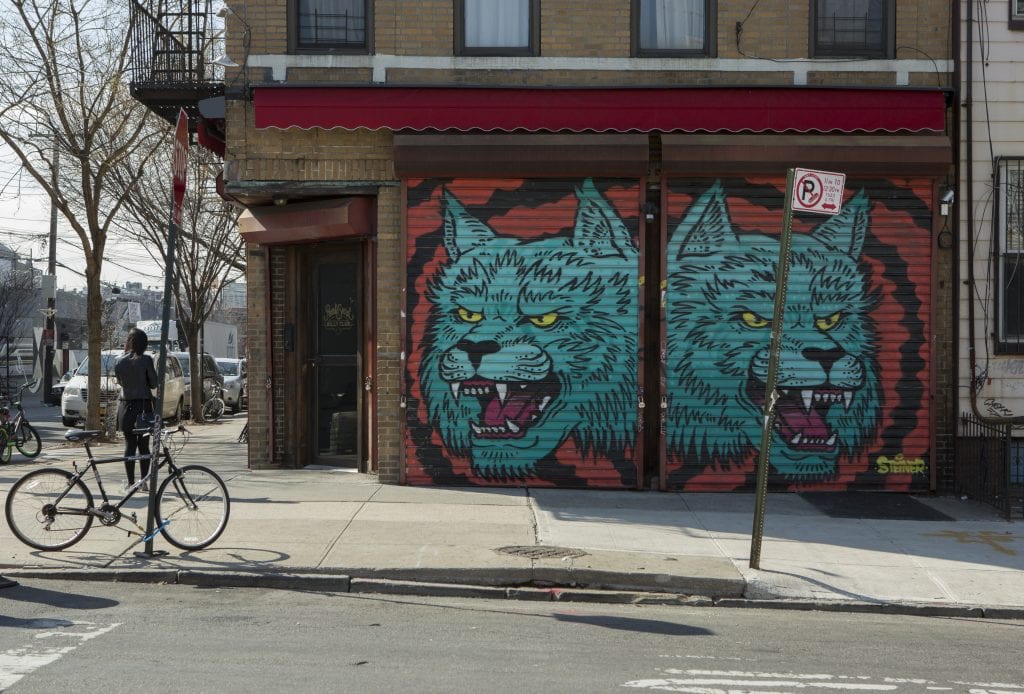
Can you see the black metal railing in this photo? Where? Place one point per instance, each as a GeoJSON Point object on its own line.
{"type": "Point", "coordinates": [857, 35]}
{"type": "Point", "coordinates": [984, 464]}
{"type": "Point", "coordinates": [170, 43]}
{"type": "Point", "coordinates": [341, 29]}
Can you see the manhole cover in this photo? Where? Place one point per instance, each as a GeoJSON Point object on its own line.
{"type": "Point", "coordinates": [542, 552]}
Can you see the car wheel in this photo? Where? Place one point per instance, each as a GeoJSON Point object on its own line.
{"type": "Point", "coordinates": [68, 421]}
{"type": "Point", "coordinates": [176, 417]}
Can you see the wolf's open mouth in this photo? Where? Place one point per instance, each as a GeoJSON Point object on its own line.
{"type": "Point", "coordinates": [800, 414]}
{"type": "Point", "coordinates": [509, 408]}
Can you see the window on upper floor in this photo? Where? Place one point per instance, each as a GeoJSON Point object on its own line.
{"type": "Point", "coordinates": [497, 27]}
{"type": "Point", "coordinates": [673, 27]}
{"type": "Point", "coordinates": [1017, 14]}
{"type": "Point", "coordinates": [1010, 231]}
{"type": "Point", "coordinates": [853, 28]}
{"type": "Point", "coordinates": [325, 26]}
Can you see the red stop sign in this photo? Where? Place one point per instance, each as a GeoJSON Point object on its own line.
{"type": "Point", "coordinates": [179, 164]}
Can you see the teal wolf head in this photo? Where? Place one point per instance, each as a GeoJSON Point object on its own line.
{"type": "Point", "coordinates": [531, 342]}
{"type": "Point", "coordinates": [719, 309]}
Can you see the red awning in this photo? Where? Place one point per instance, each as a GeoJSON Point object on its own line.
{"type": "Point", "coordinates": [754, 110]}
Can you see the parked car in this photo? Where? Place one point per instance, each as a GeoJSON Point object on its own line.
{"type": "Point", "coordinates": [213, 381]}
{"type": "Point", "coordinates": [234, 373]}
{"type": "Point", "coordinates": [74, 400]}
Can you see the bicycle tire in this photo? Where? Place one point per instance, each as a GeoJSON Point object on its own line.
{"type": "Point", "coordinates": [32, 516]}
{"type": "Point", "coordinates": [6, 447]}
{"type": "Point", "coordinates": [213, 409]}
{"type": "Point", "coordinates": [27, 441]}
{"type": "Point", "coordinates": [195, 501]}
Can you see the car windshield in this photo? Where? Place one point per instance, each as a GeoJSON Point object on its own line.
{"type": "Point", "coordinates": [107, 360]}
{"type": "Point", "coordinates": [228, 368]}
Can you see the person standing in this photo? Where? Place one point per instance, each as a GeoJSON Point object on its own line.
{"type": "Point", "coordinates": [137, 375]}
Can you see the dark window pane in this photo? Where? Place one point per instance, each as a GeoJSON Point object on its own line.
{"type": "Point", "coordinates": [332, 22]}
{"type": "Point", "coordinates": [850, 27]}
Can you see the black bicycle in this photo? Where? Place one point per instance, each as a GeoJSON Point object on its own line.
{"type": "Point", "coordinates": [52, 509]}
{"type": "Point", "coordinates": [22, 434]}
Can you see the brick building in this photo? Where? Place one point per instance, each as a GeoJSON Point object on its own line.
{"type": "Point", "coordinates": [535, 241]}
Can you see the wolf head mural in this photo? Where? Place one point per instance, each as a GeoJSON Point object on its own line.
{"type": "Point", "coordinates": [719, 308]}
{"type": "Point", "coordinates": [531, 342]}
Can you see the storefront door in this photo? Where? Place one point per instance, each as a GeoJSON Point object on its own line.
{"type": "Point", "coordinates": [337, 357]}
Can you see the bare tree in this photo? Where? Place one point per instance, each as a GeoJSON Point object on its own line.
{"type": "Point", "coordinates": [209, 248]}
{"type": "Point", "coordinates": [63, 95]}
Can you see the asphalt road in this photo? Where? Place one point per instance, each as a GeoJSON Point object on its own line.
{"type": "Point", "coordinates": [57, 636]}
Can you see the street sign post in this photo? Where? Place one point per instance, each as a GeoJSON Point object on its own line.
{"type": "Point", "coordinates": [820, 192]}
{"type": "Point", "coordinates": [179, 180]}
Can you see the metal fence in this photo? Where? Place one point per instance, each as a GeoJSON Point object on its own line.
{"type": "Point", "coordinates": [985, 468]}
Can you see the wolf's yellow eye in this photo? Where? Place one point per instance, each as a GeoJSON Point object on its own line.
{"type": "Point", "coordinates": [829, 322]}
{"type": "Point", "coordinates": [545, 320]}
{"type": "Point", "coordinates": [470, 316]}
{"type": "Point", "coordinates": [752, 320]}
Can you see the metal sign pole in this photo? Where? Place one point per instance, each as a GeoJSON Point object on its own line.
{"type": "Point", "coordinates": [770, 396]}
{"type": "Point", "coordinates": [179, 166]}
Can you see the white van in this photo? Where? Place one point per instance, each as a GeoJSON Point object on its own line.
{"type": "Point", "coordinates": [74, 400]}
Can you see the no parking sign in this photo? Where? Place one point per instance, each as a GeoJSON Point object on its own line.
{"type": "Point", "coordinates": [818, 191]}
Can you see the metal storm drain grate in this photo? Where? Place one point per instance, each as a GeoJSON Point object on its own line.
{"type": "Point", "coordinates": [532, 552]}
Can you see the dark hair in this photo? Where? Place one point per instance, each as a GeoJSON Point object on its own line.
{"type": "Point", "coordinates": [137, 341]}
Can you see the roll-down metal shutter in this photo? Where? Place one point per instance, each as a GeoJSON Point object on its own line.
{"type": "Point", "coordinates": [522, 331]}
{"type": "Point", "coordinates": [855, 360]}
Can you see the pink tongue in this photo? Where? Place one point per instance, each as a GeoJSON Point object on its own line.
{"type": "Point", "coordinates": [518, 408]}
{"type": "Point", "coordinates": [793, 421]}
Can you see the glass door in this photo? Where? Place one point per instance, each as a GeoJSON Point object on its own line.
{"type": "Point", "coordinates": [337, 357]}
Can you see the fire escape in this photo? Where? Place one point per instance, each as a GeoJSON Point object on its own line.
{"type": "Point", "coordinates": [171, 65]}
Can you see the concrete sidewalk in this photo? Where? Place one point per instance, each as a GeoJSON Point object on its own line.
{"type": "Point", "coordinates": [325, 529]}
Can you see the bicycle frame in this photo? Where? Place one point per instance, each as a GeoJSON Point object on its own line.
{"type": "Point", "coordinates": [108, 513]}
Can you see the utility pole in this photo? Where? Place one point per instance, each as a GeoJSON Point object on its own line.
{"type": "Point", "coordinates": [49, 333]}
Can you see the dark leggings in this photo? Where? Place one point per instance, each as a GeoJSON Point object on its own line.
{"type": "Point", "coordinates": [134, 444]}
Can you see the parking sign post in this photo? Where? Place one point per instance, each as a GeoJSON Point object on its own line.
{"type": "Point", "coordinates": [820, 192]}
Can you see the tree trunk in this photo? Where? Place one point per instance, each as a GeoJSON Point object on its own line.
{"type": "Point", "coordinates": [94, 311]}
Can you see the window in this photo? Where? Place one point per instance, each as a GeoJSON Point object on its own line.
{"type": "Point", "coordinates": [330, 25]}
{"type": "Point", "coordinates": [1010, 230]}
{"type": "Point", "coordinates": [1017, 14]}
{"type": "Point", "coordinates": [853, 28]}
{"type": "Point", "coordinates": [497, 27]}
{"type": "Point", "coordinates": [673, 27]}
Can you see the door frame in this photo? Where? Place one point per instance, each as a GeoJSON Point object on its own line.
{"type": "Point", "coordinates": [300, 374]}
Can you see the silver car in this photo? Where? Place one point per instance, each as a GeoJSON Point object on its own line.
{"type": "Point", "coordinates": [233, 371]}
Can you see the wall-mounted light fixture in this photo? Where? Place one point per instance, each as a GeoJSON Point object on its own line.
{"type": "Point", "coordinates": [947, 199]}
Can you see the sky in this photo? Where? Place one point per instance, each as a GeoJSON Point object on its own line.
{"type": "Point", "coordinates": [25, 228]}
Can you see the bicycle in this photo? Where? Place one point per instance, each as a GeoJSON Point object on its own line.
{"type": "Point", "coordinates": [243, 436]}
{"type": "Point", "coordinates": [213, 409]}
{"type": "Point", "coordinates": [52, 509]}
{"type": "Point", "coordinates": [19, 432]}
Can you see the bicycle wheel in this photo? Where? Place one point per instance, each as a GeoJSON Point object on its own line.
{"type": "Point", "coordinates": [38, 519]}
{"type": "Point", "coordinates": [195, 502]}
{"type": "Point", "coordinates": [6, 446]}
{"type": "Point", "coordinates": [213, 410]}
{"type": "Point", "coordinates": [27, 440]}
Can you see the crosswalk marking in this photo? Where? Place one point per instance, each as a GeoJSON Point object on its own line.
{"type": "Point", "coordinates": [47, 647]}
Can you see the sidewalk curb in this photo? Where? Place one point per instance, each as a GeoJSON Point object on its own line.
{"type": "Point", "coordinates": [328, 582]}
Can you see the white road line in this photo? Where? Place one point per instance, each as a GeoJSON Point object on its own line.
{"type": "Point", "coordinates": [695, 681]}
{"type": "Point", "coordinates": [46, 647]}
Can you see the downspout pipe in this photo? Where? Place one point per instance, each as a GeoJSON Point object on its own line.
{"type": "Point", "coordinates": [968, 102]}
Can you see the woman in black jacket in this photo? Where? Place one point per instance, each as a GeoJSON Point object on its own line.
{"type": "Point", "coordinates": [137, 375]}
